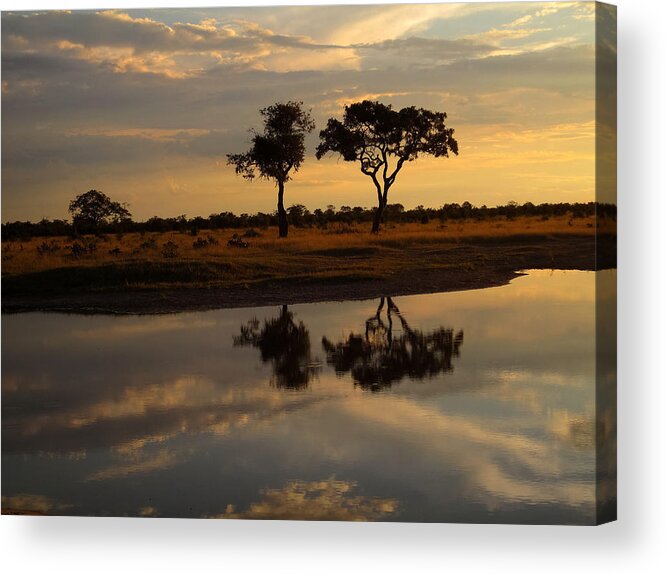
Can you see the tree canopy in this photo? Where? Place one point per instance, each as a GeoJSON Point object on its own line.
{"type": "Point", "coordinates": [95, 208]}
{"type": "Point", "coordinates": [277, 151]}
{"type": "Point", "coordinates": [382, 139]}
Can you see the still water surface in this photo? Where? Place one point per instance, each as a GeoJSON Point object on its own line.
{"type": "Point", "coordinates": [473, 406]}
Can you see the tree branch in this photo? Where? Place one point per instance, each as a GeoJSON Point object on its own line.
{"type": "Point", "coordinates": [391, 178]}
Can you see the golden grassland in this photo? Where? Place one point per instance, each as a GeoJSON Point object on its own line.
{"type": "Point", "coordinates": [339, 254]}
{"type": "Point", "coordinates": [268, 250]}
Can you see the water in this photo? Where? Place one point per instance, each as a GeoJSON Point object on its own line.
{"type": "Point", "coordinates": [473, 406]}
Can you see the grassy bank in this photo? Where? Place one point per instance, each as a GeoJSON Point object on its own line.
{"type": "Point", "coordinates": [310, 259]}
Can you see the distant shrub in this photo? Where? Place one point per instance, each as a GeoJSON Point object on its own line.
{"type": "Point", "coordinates": [237, 242]}
{"type": "Point", "coordinates": [150, 244]}
{"type": "Point", "coordinates": [48, 247]}
{"type": "Point", "coordinates": [77, 250]}
{"type": "Point", "coordinates": [82, 248]}
{"type": "Point", "coordinates": [206, 242]}
{"type": "Point", "coordinates": [251, 233]}
{"type": "Point", "coordinates": [169, 250]}
{"type": "Point", "coordinates": [199, 244]}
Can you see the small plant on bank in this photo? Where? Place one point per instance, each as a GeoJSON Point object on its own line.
{"type": "Point", "coordinates": [77, 250]}
{"type": "Point", "coordinates": [82, 248]}
{"type": "Point", "coordinates": [150, 244]}
{"type": "Point", "coordinates": [48, 247]}
{"type": "Point", "coordinates": [206, 242]}
{"type": "Point", "coordinates": [237, 242]}
{"type": "Point", "coordinates": [169, 249]}
{"type": "Point", "coordinates": [200, 244]}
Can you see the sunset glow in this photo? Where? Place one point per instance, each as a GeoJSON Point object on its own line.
{"type": "Point", "coordinates": [145, 104]}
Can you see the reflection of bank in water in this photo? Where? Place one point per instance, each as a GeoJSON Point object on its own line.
{"type": "Point", "coordinates": [378, 358]}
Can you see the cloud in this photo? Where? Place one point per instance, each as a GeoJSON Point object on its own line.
{"type": "Point", "coordinates": [420, 52]}
{"type": "Point", "coordinates": [127, 44]}
{"type": "Point", "coordinates": [498, 35]}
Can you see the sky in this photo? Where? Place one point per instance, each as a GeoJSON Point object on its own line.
{"type": "Point", "coordinates": [145, 104]}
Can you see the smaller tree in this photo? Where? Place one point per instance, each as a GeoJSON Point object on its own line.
{"type": "Point", "coordinates": [277, 151]}
{"type": "Point", "coordinates": [94, 209]}
{"type": "Point", "coordinates": [382, 139]}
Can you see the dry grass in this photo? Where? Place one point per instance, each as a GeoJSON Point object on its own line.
{"type": "Point", "coordinates": [307, 253]}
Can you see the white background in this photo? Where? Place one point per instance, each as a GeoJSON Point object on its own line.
{"type": "Point", "coordinates": [634, 544]}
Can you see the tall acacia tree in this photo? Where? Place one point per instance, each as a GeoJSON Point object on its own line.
{"type": "Point", "coordinates": [277, 151]}
{"type": "Point", "coordinates": [382, 139]}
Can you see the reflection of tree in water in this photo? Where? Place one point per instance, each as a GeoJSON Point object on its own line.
{"type": "Point", "coordinates": [285, 345]}
{"type": "Point", "coordinates": [379, 358]}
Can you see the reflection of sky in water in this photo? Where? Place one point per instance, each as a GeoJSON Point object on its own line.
{"type": "Point", "coordinates": [163, 415]}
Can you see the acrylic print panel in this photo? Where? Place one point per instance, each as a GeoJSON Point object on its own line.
{"type": "Point", "coordinates": [317, 263]}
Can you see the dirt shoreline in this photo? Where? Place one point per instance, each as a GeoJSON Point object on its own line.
{"type": "Point", "coordinates": [502, 263]}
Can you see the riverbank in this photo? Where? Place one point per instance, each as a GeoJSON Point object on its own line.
{"type": "Point", "coordinates": [119, 276]}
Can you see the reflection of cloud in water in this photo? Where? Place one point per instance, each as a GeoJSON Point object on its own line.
{"type": "Point", "coordinates": [572, 288]}
{"type": "Point", "coordinates": [30, 504]}
{"type": "Point", "coordinates": [327, 500]}
{"type": "Point", "coordinates": [509, 431]}
{"type": "Point", "coordinates": [505, 466]}
{"type": "Point", "coordinates": [142, 417]}
{"type": "Point", "coordinates": [138, 327]}
{"type": "Point", "coordinates": [147, 511]}
{"type": "Point", "coordinates": [573, 429]}
{"type": "Point", "coordinates": [532, 390]}
{"type": "Point", "coordinates": [164, 459]}
{"type": "Point", "coordinates": [514, 309]}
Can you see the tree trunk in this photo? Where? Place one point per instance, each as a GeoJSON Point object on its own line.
{"type": "Point", "coordinates": [378, 217]}
{"type": "Point", "coordinates": [283, 225]}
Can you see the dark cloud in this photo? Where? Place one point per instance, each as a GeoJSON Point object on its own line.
{"type": "Point", "coordinates": [74, 94]}
{"type": "Point", "coordinates": [115, 29]}
{"type": "Point", "coordinates": [427, 50]}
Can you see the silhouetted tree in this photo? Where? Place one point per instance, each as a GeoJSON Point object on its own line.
{"type": "Point", "coordinates": [94, 209]}
{"type": "Point", "coordinates": [375, 135]}
{"type": "Point", "coordinates": [377, 358]}
{"type": "Point", "coordinates": [285, 345]}
{"type": "Point", "coordinates": [277, 151]}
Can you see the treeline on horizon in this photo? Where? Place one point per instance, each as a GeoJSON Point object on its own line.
{"type": "Point", "coordinates": [301, 217]}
